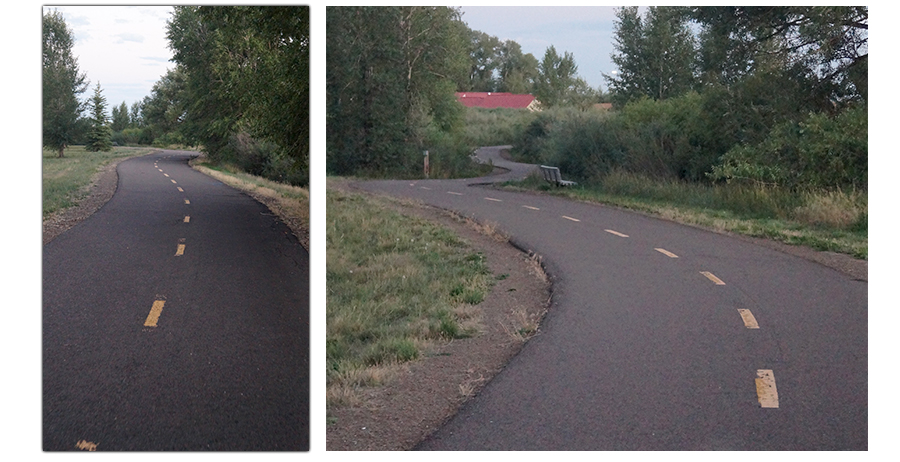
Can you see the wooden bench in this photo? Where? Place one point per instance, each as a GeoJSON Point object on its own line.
{"type": "Point", "coordinates": [552, 176]}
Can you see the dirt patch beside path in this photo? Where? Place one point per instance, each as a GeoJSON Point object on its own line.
{"type": "Point", "coordinates": [427, 392]}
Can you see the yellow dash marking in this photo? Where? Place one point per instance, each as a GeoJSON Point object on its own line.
{"type": "Point", "coordinates": [454, 193]}
{"type": "Point", "coordinates": [765, 388]}
{"type": "Point", "coordinates": [530, 207]}
{"type": "Point", "coordinates": [166, 174]}
{"type": "Point", "coordinates": [423, 187]}
{"type": "Point", "coordinates": [712, 278]}
{"type": "Point", "coordinates": [187, 219]}
{"type": "Point", "coordinates": [666, 253]}
{"type": "Point", "coordinates": [187, 201]}
{"type": "Point", "coordinates": [749, 319]}
{"type": "Point", "coordinates": [86, 445]}
{"type": "Point", "coordinates": [180, 250]}
{"type": "Point", "coordinates": [155, 311]}
{"type": "Point", "coordinates": [179, 189]}
{"type": "Point", "coordinates": [570, 218]}
{"type": "Point", "coordinates": [615, 232]}
{"type": "Point", "coordinates": [492, 199]}
{"type": "Point", "coordinates": [173, 181]}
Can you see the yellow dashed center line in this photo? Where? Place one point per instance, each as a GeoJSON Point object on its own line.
{"type": "Point", "coordinates": [187, 219]}
{"type": "Point", "coordinates": [712, 278]}
{"type": "Point", "coordinates": [530, 207]}
{"type": "Point", "coordinates": [492, 199]}
{"type": "Point", "coordinates": [666, 253]}
{"type": "Point", "coordinates": [166, 174]}
{"type": "Point", "coordinates": [749, 319]}
{"type": "Point", "coordinates": [570, 218]}
{"type": "Point", "coordinates": [187, 201]}
{"type": "Point", "coordinates": [423, 187]}
{"type": "Point", "coordinates": [454, 193]}
{"type": "Point", "coordinates": [173, 181]}
{"type": "Point", "coordinates": [615, 232]}
{"type": "Point", "coordinates": [765, 388]}
{"type": "Point", "coordinates": [180, 251]}
{"type": "Point", "coordinates": [179, 189]}
{"type": "Point", "coordinates": [155, 311]}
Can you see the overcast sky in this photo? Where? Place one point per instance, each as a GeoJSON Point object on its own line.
{"type": "Point", "coordinates": [122, 47]}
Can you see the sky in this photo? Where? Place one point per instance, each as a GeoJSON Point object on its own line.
{"type": "Point", "coordinates": [124, 48]}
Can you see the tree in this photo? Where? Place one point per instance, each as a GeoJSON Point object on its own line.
{"type": "Point", "coordinates": [556, 78]}
{"type": "Point", "coordinates": [655, 56]}
{"type": "Point", "coordinates": [100, 135]}
{"type": "Point", "coordinates": [120, 118]}
{"type": "Point", "coordinates": [485, 60]}
{"type": "Point", "coordinates": [134, 119]}
{"type": "Point", "coordinates": [62, 83]}
{"type": "Point", "coordinates": [391, 77]}
{"type": "Point", "coordinates": [518, 72]}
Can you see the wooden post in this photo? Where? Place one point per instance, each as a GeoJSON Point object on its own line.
{"type": "Point", "coordinates": [426, 164]}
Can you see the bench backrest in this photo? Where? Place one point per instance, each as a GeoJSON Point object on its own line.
{"type": "Point", "coordinates": [551, 173]}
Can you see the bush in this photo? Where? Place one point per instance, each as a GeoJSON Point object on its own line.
{"type": "Point", "coordinates": [822, 151]}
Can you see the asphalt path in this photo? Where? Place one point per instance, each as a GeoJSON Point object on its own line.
{"type": "Point", "coordinates": [661, 336]}
{"type": "Point", "coordinates": [175, 318]}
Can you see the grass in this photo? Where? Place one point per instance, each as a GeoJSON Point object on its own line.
{"type": "Point", "coordinates": [67, 180]}
{"type": "Point", "coordinates": [396, 284]}
{"type": "Point", "coordinates": [835, 221]}
{"type": "Point", "coordinates": [290, 203]}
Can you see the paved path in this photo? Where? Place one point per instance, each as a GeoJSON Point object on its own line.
{"type": "Point", "coordinates": [175, 318]}
{"type": "Point", "coordinates": [662, 336]}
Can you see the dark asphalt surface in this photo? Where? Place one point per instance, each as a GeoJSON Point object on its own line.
{"type": "Point", "coordinates": [227, 365]}
{"type": "Point", "coordinates": [641, 351]}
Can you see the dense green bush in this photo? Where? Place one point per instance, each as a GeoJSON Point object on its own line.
{"type": "Point", "coordinates": [496, 127]}
{"type": "Point", "coordinates": [821, 151]}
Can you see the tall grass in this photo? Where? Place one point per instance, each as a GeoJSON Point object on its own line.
{"type": "Point", "coordinates": [395, 285]}
{"type": "Point", "coordinates": [495, 127]}
{"type": "Point", "coordinates": [67, 180]}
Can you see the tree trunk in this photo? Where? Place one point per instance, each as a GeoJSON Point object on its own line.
{"type": "Point", "coordinates": [62, 150]}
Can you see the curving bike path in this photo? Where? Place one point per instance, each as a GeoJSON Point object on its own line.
{"type": "Point", "coordinates": [661, 336]}
{"type": "Point", "coordinates": [175, 318]}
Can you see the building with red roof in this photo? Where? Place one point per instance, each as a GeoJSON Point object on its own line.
{"type": "Point", "coordinates": [491, 100]}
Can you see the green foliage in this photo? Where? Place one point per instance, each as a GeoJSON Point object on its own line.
{"type": "Point", "coordinates": [100, 136]}
{"type": "Point", "coordinates": [391, 76]}
{"type": "Point", "coordinates": [557, 78]}
{"type": "Point", "coordinates": [655, 56]}
{"type": "Point", "coordinates": [495, 127]}
{"type": "Point", "coordinates": [62, 83]}
{"type": "Point", "coordinates": [242, 71]}
{"type": "Point", "coordinates": [821, 151]}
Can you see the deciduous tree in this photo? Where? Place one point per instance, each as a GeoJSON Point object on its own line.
{"type": "Point", "coordinates": [62, 83]}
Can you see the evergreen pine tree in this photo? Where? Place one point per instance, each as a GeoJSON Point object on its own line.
{"type": "Point", "coordinates": [100, 136]}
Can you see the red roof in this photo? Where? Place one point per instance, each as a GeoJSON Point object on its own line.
{"type": "Point", "coordinates": [494, 100]}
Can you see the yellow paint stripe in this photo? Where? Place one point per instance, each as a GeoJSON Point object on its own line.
{"type": "Point", "coordinates": [180, 250]}
{"type": "Point", "coordinates": [712, 278]}
{"type": "Point", "coordinates": [454, 193]}
{"type": "Point", "coordinates": [749, 319]}
{"type": "Point", "coordinates": [180, 190]}
{"type": "Point", "coordinates": [615, 232]}
{"type": "Point", "coordinates": [492, 199]}
{"type": "Point", "coordinates": [666, 253]}
{"type": "Point", "coordinates": [570, 218]}
{"type": "Point", "coordinates": [155, 311]}
{"type": "Point", "coordinates": [187, 219]}
{"type": "Point", "coordinates": [530, 207]}
{"type": "Point", "coordinates": [166, 174]}
{"type": "Point", "coordinates": [187, 201]}
{"type": "Point", "coordinates": [423, 187]}
{"type": "Point", "coordinates": [173, 181]}
{"type": "Point", "coordinates": [765, 388]}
